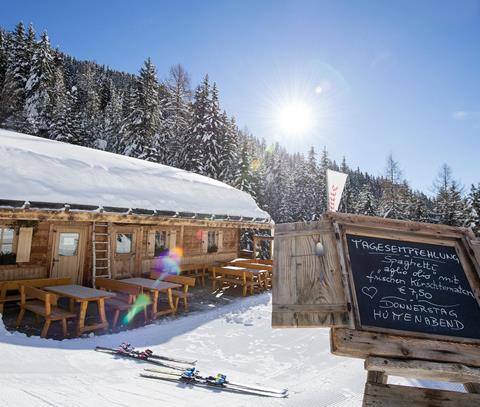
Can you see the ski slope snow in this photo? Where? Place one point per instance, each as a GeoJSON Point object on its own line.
{"type": "Point", "coordinates": [235, 339]}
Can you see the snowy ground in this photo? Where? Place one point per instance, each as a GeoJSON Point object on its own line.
{"type": "Point", "coordinates": [235, 339]}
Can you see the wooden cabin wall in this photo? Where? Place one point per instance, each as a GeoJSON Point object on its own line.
{"type": "Point", "coordinates": [188, 237]}
{"type": "Point", "coordinates": [37, 267]}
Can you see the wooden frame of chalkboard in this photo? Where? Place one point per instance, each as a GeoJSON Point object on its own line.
{"type": "Point", "coordinates": [412, 312]}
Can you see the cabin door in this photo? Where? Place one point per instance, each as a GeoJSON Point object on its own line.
{"type": "Point", "coordinates": [126, 244]}
{"type": "Point", "coordinates": [68, 252]}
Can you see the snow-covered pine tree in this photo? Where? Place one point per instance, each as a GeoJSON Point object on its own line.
{"type": "Point", "coordinates": [365, 204]}
{"type": "Point", "coordinates": [418, 207]}
{"type": "Point", "coordinates": [213, 140]}
{"type": "Point", "coordinates": [473, 209]}
{"type": "Point", "coordinates": [449, 206]}
{"type": "Point", "coordinates": [89, 106]}
{"type": "Point", "coordinates": [229, 158]}
{"type": "Point", "coordinates": [177, 116]}
{"type": "Point", "coordinates": [39, 89]}
{"type": "Point", "coordinates": [16, 74]}
{"type": "Point", "coordinates": [324, 165]}
{"type": "Point", "coordinates": [200, 131]}
{"type": "Point", "coordinates": [277, 183]}
{"type": "Point", "coordinates": [245, 177]}
{"type": "Point", "coordinates": [112, 120]}
{"type": "Point", "coordinates": [392, 203]}
{"type": "Point", "coordinates": [3, 57]}
{"type": "Point", "coordinates": [66, 122]}
{"type": "Point", "coordinates": [139, 130]}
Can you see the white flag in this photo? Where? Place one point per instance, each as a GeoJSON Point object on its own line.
{"type": "Point", "coordinates": [335, 184]}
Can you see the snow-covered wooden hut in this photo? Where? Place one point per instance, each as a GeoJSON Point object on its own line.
{"type": "Point", "coordinates": [71, 211]}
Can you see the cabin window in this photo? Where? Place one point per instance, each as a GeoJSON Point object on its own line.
{"type": "Point", "coordinates": [124, 243]}
{"type": "Point", "coordinates": [212, 242]}
{"type": "Point", "coordinates": [68, 244]}
{"type": "Point", "coordinates": [7, 236]}
{"type": "Point", "coordinates": [7, 245]}
{"type": "Point", "coordinates": [160, 243]}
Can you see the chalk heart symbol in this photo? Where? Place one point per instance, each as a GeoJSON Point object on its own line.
{"type": "Point", "coordinates": [370, 291]}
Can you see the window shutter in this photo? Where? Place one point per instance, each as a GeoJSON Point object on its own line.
{"type": "Point", "coordinates": [24, 245]}
{"type": "Point", "coordinates": [204, 241]}
{"type": "Point", "coordinates": [151, 244]}
{"type": "Point", "coordinates": [172, 241]}
{"type": "Point", "coordinates": [220, 240]}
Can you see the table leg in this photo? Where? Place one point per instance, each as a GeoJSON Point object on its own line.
{"type": "Point", "coordinates": [154, 304]}
{"type": "Point", "coordinates": [170, 300]}
{"type": "Point", "coordinates": [81, 317]}
{"type": "Point", "coordinates": [101, 312]}
{"type": "Point", "coordinates": [72, 305]}
{"type": "Point", "coordinates": [214, 279]}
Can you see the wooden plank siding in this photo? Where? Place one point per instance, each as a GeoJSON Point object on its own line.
{"type": "Point", "coordinates": [186, 237]}
{"type": "Point", "coordinates": [308, 290]}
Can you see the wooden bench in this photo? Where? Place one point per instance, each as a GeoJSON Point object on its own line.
{"type": "Point", "coordinates": [183, 294]}
{"type": "Point", "coordinates": [233, 275]}
{"type": "Point", "coordinates": [126, 294]}
{"type": "Point", "coordinates": [14, 285]}
{"type": "Point", "coordinates": [195, 271]}
{"type": "Point", "coordinates": [44, 304]}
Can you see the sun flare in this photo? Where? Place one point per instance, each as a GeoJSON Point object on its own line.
{"type": "Point", "coordinates": [295, 117]}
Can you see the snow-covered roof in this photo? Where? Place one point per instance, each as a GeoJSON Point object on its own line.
{"type": "Point", "coordinates": [35, 169]}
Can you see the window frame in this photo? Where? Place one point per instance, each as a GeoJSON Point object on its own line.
{"type": "Point", "coordinates": [215, 241]}
{"type": "Point", "coordinates": [14, 238]}
{"type": "Point", "coordinates": [132, 243]}
{"type": "Point", "coordinates": [166, 245]}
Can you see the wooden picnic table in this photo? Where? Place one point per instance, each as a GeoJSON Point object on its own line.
{"type": "Point", "coordinates": [155, 287]}
{"type": "Point", "coordinates": [84, 295]}
{"type": "Point", "coordinates": [246, 277]}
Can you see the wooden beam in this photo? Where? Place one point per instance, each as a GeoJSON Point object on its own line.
{"type": "Point", "coordinates": [377, 377]}
{"type": "Point", "coordinates": [444, 372]}
{"type": "Point", "coordinates": [472, 387]}
{"type": "Point", "coordinates": [389, 395]}
{"type": "Point", "coordinates": [51, 215]}
{"type": "Point", "coordinates": [362, 344]}
{"type": "Point", "coordinates": [398, 225]}
{"type": "Point", "coordinates": [309, 308]}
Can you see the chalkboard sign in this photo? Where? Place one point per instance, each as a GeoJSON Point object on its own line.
{"type": "Point", "coordinates": [412, 286]}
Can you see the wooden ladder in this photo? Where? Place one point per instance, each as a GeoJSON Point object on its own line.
{"type": "Point", "coordinates": [101, 251]}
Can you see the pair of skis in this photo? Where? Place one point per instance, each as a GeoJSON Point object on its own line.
{"type": "Point", "coordinates": [127, 351]}
{"type": "Point", "coordinates": [192, 377]}
{"type": "Point", "coordinates": [187, 373]}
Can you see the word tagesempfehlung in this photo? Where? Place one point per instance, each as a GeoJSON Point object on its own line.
{"type": "Point", "coordinates": [411, 286]}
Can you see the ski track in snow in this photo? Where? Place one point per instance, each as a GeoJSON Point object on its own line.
{"type": "Point", "coordinates": [235, 339]}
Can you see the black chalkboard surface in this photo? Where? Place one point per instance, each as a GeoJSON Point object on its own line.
{"type": "Point", "coordinates": [412, 286]}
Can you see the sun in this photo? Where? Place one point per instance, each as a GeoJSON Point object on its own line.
{"type": "Point", "coordinates": [295, 117]}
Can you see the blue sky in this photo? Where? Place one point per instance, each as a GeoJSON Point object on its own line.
{"type": "Point", "coordinates": [391, 77]}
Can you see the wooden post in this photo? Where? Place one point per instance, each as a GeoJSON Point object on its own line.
{"type": "Point", "coordinates": [379, 393]}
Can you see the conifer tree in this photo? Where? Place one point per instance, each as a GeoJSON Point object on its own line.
{"type": "Point", "coordinates": [449, 206]}
{"type": "Point", "coordinates": [366, 202]}
{"type": "Point", "coordinates": [3, 57]}
{"type": "Point", "coordinates": [392, 204]}
{"type": "Point", "coordinates": [213, 139]}
{"type": "Point", "coordinates": [139, 130]}
{"type": "Point", "coordinates": [112, 120]}
{"type": "Point", "coordinates": [201, 131]}
{"type": "Point", "coordinates": [16, 75]}
{"type": "Point", "coordinates": [473, 209]}
{"type": "Point", "coordinates": [177, 117]}
{"type": "Point", "coordinates": [39, 89]}
{"type": "Point", "coordinates": [245, 178]}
